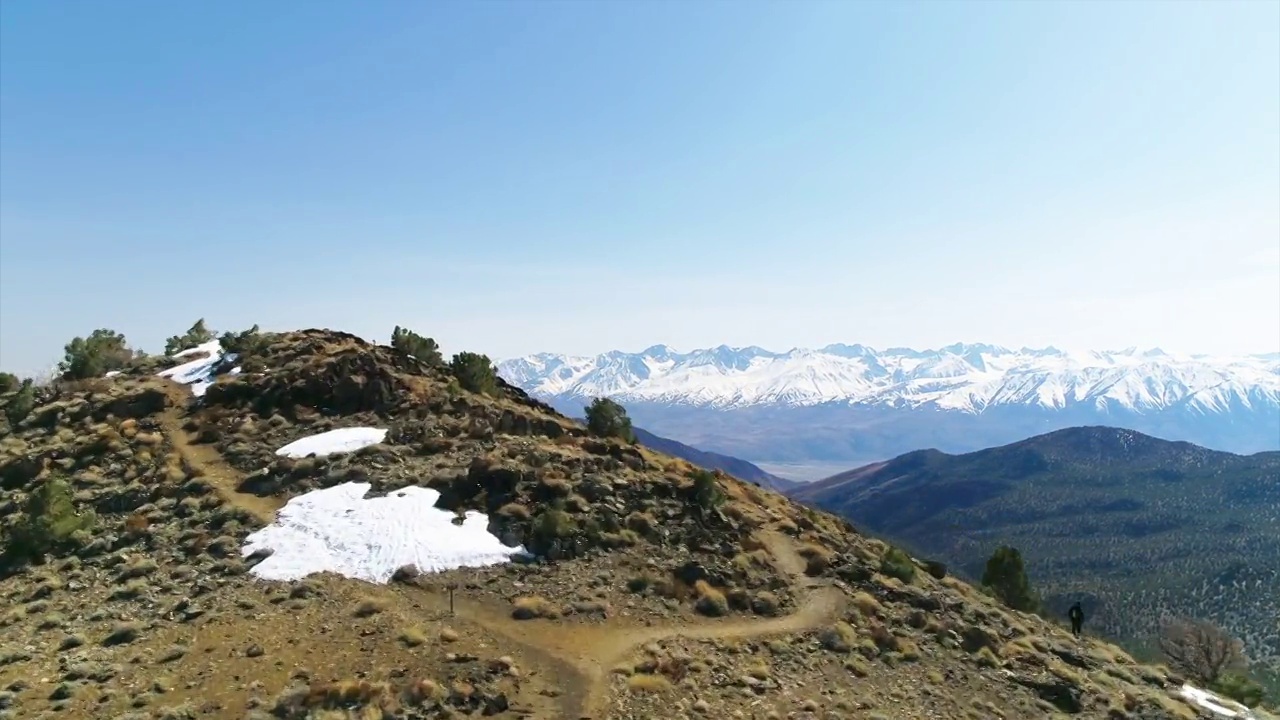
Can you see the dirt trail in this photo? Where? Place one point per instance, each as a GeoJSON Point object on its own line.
{"type": "Point", "coordinates": [206, 460]}
{"type": "Point", "coordinates": [584, 657]}
{"type": "Point", "coordinates": [820, 605]}
{"type": "Point", "coordinates": [580, 659]}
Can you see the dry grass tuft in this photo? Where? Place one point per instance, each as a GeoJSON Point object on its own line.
{"type": "Point", "coordinates": [533, 606]}
{"type": "Point", "coordinates": [412, 637]}
{"type": "Point", "coordinates": [370, 606]}
{"type": "Point", "coordinates": [648, 684]}
{"type": "Point", "coordinates": [711, 602]}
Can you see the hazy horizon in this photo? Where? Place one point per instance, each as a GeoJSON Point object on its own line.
{"type": "Point", "coordinates": [513, 178]}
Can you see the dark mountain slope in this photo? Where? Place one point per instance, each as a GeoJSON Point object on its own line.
{"type": "Point", "coordinates": [1133, 525]}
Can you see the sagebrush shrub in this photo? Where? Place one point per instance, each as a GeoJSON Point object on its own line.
{"type": "Point", "coordinates": [898, 564]}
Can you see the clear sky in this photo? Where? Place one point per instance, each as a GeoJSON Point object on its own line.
{"type": "Point", "coordinates": [513, 177]}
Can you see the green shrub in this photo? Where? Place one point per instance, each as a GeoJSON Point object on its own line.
{"type": "Point", "coordinates": [411, 343]}
{"type": "Point", "coordinates": [475, 373]}
{"type": "Point", "coordinates": [8, 382]}
{"type": "Point", "coordinates": [606, 418]}
{"type": "Point", "coordinates": [20, 404]}
{"type": "Point", "coordinates": [553, 524]}
{"type": "Point", "coordinates": [707, 494]}
{"type": "Point", "coordinates": [898, 564]}
{"type": "Point", "coordinates": [103, 351]}
{"type": "Point", "coordinates": [244, 342]}
{"type": "Point", "coordinates": [1240, 688]}
{"type": "Point", "coordinates": [197, 334]}
{"type": "Point", "coordinates": [49, 522]}
{"type": "Point", "coordinates": [1006, 578]}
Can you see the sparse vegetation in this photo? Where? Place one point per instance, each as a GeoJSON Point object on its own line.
{"type": "Point", "coordinates": [1136, 527]}
{"type": "Point", "coordinates": [637, 544]}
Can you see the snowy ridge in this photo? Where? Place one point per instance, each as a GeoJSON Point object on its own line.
{"type": "Point", "coordinates": [199, 373]}
{"type": "Point", "coordinates": [960, 377]}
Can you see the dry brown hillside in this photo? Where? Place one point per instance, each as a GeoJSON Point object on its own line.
{"type": "Point", "coordinates": [656, 596]}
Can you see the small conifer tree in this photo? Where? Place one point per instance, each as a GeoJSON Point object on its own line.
{"type": "Point", "coordinates": [1006, 577]}
{"type": "Point", "coordinates": [606, 418]}
{"type": "Point", "coordinates": [195, 335]}
{"type": "Point", "coordinates": [475, 373]}
{"type": "Point", "coordinates": [411, 343]}
{"type": "Point", "coordinates": [103, 351]}
{"type": "Point", "coordinates": [50, 522]}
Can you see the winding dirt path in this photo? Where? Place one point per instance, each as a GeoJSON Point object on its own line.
{"type": "Point", "coordinates": [820, 605]}
{"type": "Point", "coordinates": [581, 658]}
{"type": "Point", "coordinates": [208, 462]}
{"type": "Point", "coordinates": [584, 656]}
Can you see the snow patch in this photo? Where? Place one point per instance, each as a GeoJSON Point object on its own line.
{"type": "Point", "coordinates": [1219, 706]}
{"type": "Point", "coordinates": [197, 373]}
{"type": "Point", "coordinates": [338, 530]}
{"type": "Point", "coordinates": [342, 440]}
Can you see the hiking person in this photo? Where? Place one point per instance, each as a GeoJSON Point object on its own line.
{"type": "Point", "coordinates": [1076, 614]}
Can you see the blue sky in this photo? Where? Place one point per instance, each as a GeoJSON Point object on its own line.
{"type": "Point", "coordinates": [513, 177]}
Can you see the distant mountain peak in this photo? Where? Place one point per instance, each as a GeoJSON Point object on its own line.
{"type": "Point", "coordinates": [962, 377]}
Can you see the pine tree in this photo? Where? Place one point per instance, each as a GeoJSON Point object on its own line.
{"type": "Point", "coordinates": [21, 403]}
{"type": "Point", "coordinates": [606, 418]}
{"type": "Point", "coordinates": [411, 343]}
{"type": "Point", "coordinates": [195, 335]}
{"type": "Point", "coordinates": [475, 373]}
{"type": "Point", "coordinates": [103, 351]}
{"type": "Point", "coordinates": [50, 521]}
{"type": "Point", "coordinates": [1006, 577]}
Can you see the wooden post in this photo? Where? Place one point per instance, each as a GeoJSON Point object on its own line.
{"type": "Point", "coordinates": [452, 586]}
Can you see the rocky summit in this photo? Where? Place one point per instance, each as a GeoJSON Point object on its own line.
{"type": "Point", "coordinates": [638, 585]}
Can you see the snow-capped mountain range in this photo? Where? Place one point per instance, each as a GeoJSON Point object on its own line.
{"type": "Point", "coordinates": [807, 413]}
{"type": "Point", "coordinates": [961, 377]}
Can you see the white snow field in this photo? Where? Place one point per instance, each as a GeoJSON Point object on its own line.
{"type": "Point", "coordinates": [198, 373]}
{"type": "Point", "coordinates": [967, 378]}
{"type": "Point", "coordinates": [1219, 706]}
{"type": "Point", "coordinates": [342, 440]}
{"type": "Point", "coordinates": [339, 530]}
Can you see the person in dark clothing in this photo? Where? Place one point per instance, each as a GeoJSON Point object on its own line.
{"type": "Point", "coordinates": [1076, 615]}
